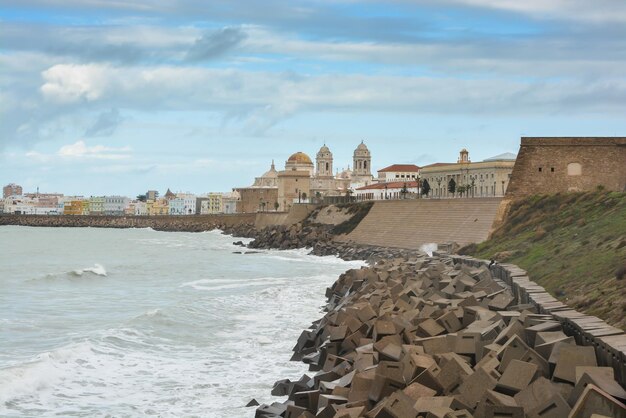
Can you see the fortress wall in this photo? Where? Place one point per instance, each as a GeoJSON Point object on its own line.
{"type": "Point", "coordinates": [568, 164]}
{"type": "Point", "coordinates": [412, 223]}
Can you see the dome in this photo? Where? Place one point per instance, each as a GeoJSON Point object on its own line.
{"type": "Point", "coordinates": [299, 158]}
{"type": "Point", "coordinates": [345, 174]}
{"type": "Point", "coordinates": [464, 151]}
{"type": "Point", "coordinates": [361, 150]}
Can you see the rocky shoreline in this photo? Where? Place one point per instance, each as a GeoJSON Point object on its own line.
{"type": "Point", "coordinates": [421, 336]}
{"type": "Point", "coordinates": [418, 336]}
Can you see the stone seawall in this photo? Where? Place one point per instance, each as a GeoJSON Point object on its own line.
{"type": "Point", "coordinates": [448, 336]}
{"type": "Point", "coordinates": [197, 223]}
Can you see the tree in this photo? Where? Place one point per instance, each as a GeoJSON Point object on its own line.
{"type": "Point", "coordinates": [462, 189]}
{"type": "Point", "coordinates": [425, 188]}
{"type": "Point", "coordinates": [276, 206]}
{"type": "Point", "coordinates": [141, 197]}
{"type": "Point", "coordinates": [452, 186]}
{"type": "Point", "coordinates": [304, 196]}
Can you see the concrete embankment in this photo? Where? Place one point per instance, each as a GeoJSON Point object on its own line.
{"type": "Point", "coordinates": [449, 337]}
{"type": "Point", "coordinates": [161, 223]}
{"type": "Point", "coordinates": [412, 223]}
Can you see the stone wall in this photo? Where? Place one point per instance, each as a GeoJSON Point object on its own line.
{"type": "Point", "coordinates": [557, 165]}
{"type": "Point", "coordinates": [162, 223]}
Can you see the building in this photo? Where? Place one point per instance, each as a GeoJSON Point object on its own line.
{"type": "Point", "coordinates": [11, 189]}
{"type": "Point", "coordinates": [388, 190]}
{"type": "Point", "coordinates": [399, 172]}
{"type": "Point", "coordinates": [262, 195]}
{"type": "Point", "coordinates": [157, 207]}
{"type": "Point", "coordinates": [115, 205]}
{"type": "Point", "coordinates": [547, 165]}
{"type": "Point", "coordinates": [183, 204]}
{"type": "Point", "coordinates": [73, 206]}
{"type": "Point", "coordinates": [211, 204]}
{"type": "Point", "coordinates": [141, 208]}
{"type": "Point", "coordinates": [19, 205]}
{"type": "Point", "coordinates": [96, 205]}
{"type": "Point", "coordinates": [487, 178]}
{"type": "Point", "coordinates": [85, 207]}
{"type": "Point", "coordinates": [230, 202]}
{"type": "Point", "coordinates": [302, 181]}
{"type": "Point", "coordinates": [152, 195]}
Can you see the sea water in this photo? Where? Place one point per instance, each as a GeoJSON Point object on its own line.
{"type": "Point", "coordinates": [135, 322]}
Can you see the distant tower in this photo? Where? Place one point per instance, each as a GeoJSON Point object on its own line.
{"type": "Point", "coordinates": [463, 156]}
{"type": "Point", "coordinates": [362, 161]}
{"type": "Point", "coordinates": [324, 160]}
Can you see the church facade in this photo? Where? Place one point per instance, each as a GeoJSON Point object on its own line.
{"type": "Point", "coordinates": [303, 181]}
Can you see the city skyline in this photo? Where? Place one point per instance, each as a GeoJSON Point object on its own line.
{"type": "Point", "coordinates": [117, 98]}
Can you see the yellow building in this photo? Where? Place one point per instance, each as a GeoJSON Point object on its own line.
{"type": "Point", "coordinates": [86, 207]}
{"type": "Point", "coordinates": [73, 207]}
{"type": "Point", "coordinates": [487, 178]}
{"type": "Point", "coordinates": [157, 207]}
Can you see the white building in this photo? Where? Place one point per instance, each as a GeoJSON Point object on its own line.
{"type": "Point", "coordinates": [19, 205]}
{"type": "Point", "coordinates": [390, 190]}
{"type": "Point", "coordinates": [115, 205]}
{"type": "Point", "coordinates": [183, 204]}
{"type": "Point", "coordinates": [399, 172]}
{"type": "Point", "coordinates": [229, 201]}
{"type": "Point", "coordinates": [141, 209]}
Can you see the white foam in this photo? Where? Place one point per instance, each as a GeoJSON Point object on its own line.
{"type": "Point", "coordinates": [429, 248]}
{"type": "Point", "coordinates": [97, 269]}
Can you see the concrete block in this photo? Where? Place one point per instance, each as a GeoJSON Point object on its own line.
{"type": "Point", "coordinates": [538, 392]}
{"type": "Point", "coordinates": [398, 405]}
{"type": "Point", "coordinates": [353, 412]}
{"type": "Point", "coordinates": [501, 411]}
{"type": "Point", "coordinates": [306, 399]}
{"type": "Point", "coordinates": [326, 399]}
{"type": "Point", "coordinates": [414, 364]}
{"type": "Point", "coordinates": [463, 413]}
{"type": "Point", "coordinates": [387, 380]}
{"type": "Point", "coordinates": [426, 404]}
{"type": "Point", "coordinates": [570, 357]}
{"type": "Point", "coordinates": [595, 400]}
{"type": "Point", "coordinates": [450, 322]}
{"type": "Point", "coordinates": [516, 377]}
{"type": "Point", "coordinates": [547, 326]}
{"type": "Point", "coordinates": [600, 378]}
{"type": "Point", "coordinates": [452, 374]}
{"type": "Point", "coordinates": [360, 386]}
{"type": "Point", "coordinates": [437, 345]}
{"type": "Point", "coordinates": [606, 372]}
{"type": "Point", "coordinates": [417, 390]}
{"type": "Point", "coordinates": [474, 387]}
{"type": "Point", "coordinates": [383, 328]}
{"type": "Point", "coordinates": [554, 407]}
{"type": "Point", "coordinates": [294, 411]}
{"type": "Point", "coordinates": [429, 328]}
{"type": "Point", "coordinates": [501, 301]}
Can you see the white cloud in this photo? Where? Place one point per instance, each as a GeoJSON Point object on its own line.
{"type": "Point", "coordinates": [67, 83]}
{"type": "Point", "coordinates": [80, 150]}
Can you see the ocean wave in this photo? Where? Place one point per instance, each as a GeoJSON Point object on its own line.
{"type": "Point", "coordinates": [216, 285]}
{"type": "Point", "coordinates": [97, 269]}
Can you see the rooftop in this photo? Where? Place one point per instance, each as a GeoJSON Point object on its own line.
{"type": "Point", "coordinates": [400, 167]}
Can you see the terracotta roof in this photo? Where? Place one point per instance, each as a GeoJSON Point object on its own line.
{"type": "Point", "coordinates": [300, 158]}
{"type": "Point", "coordinates": [400, 167]}
{"type": "Point", "coordinates": [437, 165]}
{"type": "Point", "coordinates": [390, 185]}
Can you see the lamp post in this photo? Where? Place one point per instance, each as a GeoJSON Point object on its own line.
{"type": "Point", "coordinates": [385, 192]}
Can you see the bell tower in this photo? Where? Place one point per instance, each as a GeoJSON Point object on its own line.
{"type": "Point", "coordinates": [324, 162]}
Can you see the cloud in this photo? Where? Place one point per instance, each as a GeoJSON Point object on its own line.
{"type": "Point", "coordinates": [106, 124]}
{"type": "Point", "coordinates": [215, 44]}
{"type": "Point", "coordinates": [80, 150]}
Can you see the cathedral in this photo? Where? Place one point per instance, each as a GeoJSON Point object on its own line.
{"type": "Point", "coordinates": [302, 181]}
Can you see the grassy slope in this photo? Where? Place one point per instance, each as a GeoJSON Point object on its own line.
{"type": "Point", "coordinates": [572, 244]}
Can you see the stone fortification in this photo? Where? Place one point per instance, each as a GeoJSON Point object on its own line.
{"type": "Point", "coordinates": [562, 164]}
{"type": "Point", "coordinates": [161, 223]}
{"type": "Point", "coordinates": [450, 337]}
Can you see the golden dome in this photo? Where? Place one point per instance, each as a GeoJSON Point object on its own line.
{"type": "Point", "coordinates": [299, 158]}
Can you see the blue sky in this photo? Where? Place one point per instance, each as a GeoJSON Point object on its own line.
{"type": "Point", "coordinates": [107, 97]}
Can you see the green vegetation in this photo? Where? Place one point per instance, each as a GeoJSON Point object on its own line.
{"type": "Point", "coordinates": [572, 244]}
{"type": "Point", "coordinates": [358, 211]}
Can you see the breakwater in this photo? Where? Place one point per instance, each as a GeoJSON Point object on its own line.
{"type": "Point", "coordinates": [197, 223]}
{"type": "Point", "coordinates": [447, 336]}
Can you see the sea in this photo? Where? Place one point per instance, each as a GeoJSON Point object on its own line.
{"type": "Point", "coordinates": [135, 322]}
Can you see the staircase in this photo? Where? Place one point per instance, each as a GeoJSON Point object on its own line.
{"type": "Point", "coordinates": [412, 223]}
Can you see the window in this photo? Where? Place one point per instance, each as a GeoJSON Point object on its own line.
{"type": "Point", "coordinates": [552, 169]}
{"type": "Point", "coordinates": [574, 169]}
{"type": "Point", "coordinates": [540, 169]}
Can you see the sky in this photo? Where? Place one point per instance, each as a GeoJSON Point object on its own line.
{"type": "Point", "coordinates": [119, 97]}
